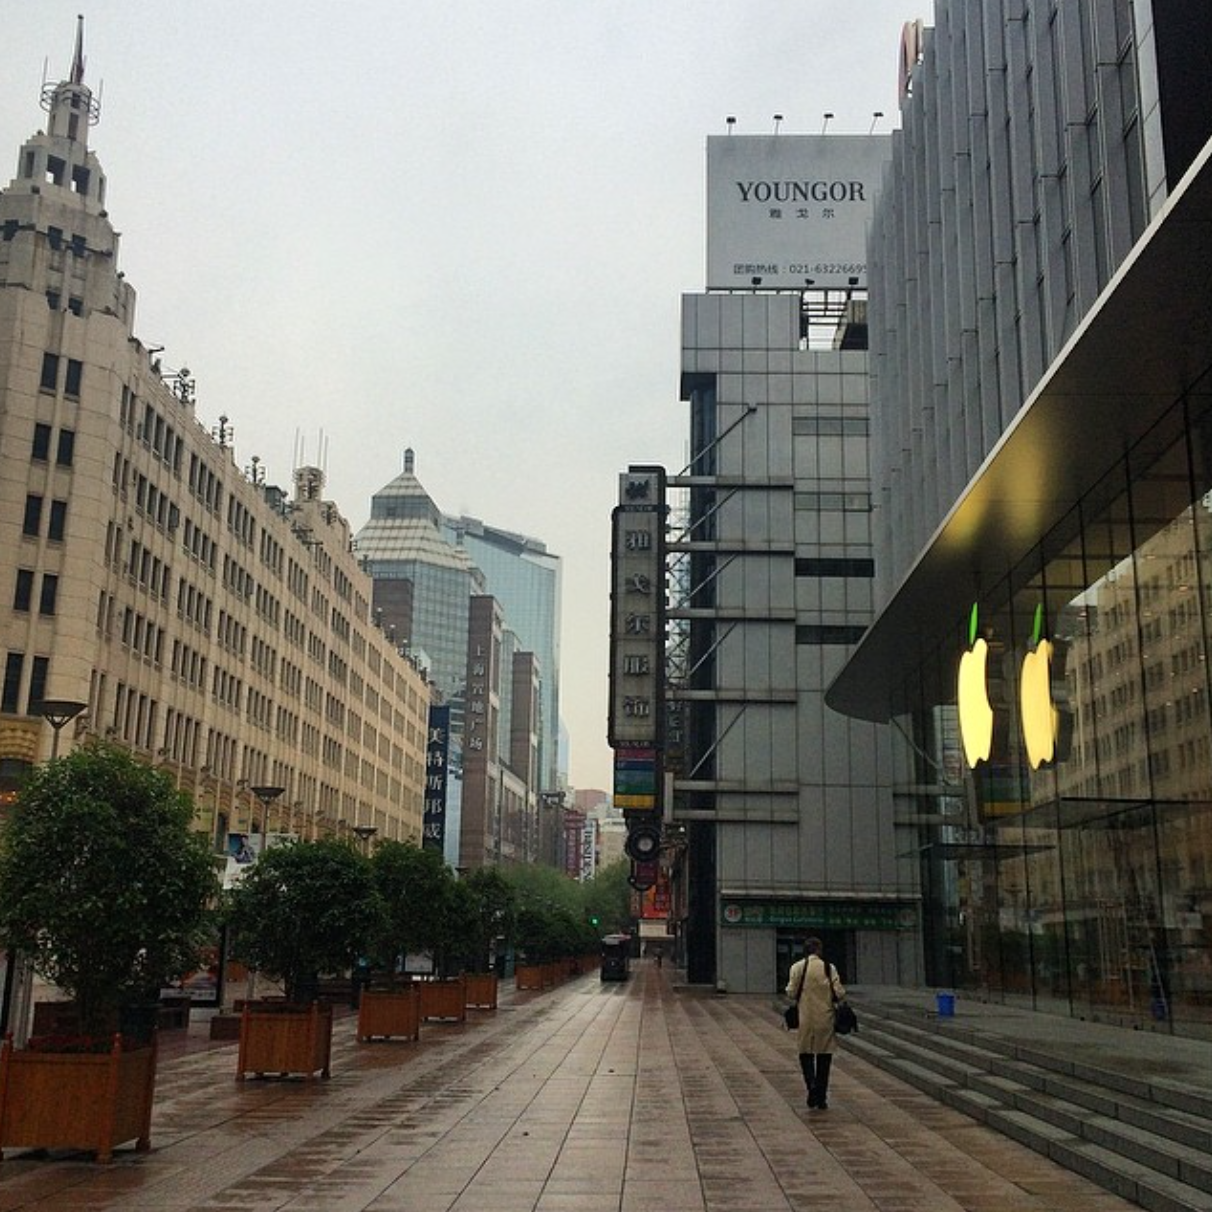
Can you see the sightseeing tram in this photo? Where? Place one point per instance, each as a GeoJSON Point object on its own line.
{"type": "Point", "coordinates": [616, 957]}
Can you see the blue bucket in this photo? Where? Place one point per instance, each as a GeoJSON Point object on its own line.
{"type": "Point", "coordinates": [946, 1004]}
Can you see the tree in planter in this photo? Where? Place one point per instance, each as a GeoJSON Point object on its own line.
{"type": "Point", "coordinates": [414, 887]}
{"type": "Point", "coordinates": [495, 913]}
{"type": "Point", "coordinates": [552, 920]}
{"type": "Point", "coordinates": [459, 930]}
{"type": "Point", "coordinates": [103, 883]}
{"type": "Point", "coordinates": [305, 909]}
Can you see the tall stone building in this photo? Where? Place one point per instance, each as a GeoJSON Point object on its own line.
{"type": "Point", "coordinates": [214, 624]}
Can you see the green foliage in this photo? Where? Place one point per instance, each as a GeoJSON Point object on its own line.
{"type": "Point", "coordinates": [608, 898]}
{"type": "Point", "coordinates": [102, 882]}
{"type": "Point", "coordinates": [495, 913]}
{"type": "Point", "coordinates": [460, 929]}
{"type": "Point", "coordinates": [415, 887]}
{"type": "Point", "coordinates": [553, 914]}
{"type": "Point", "coordinates": [305, 909]}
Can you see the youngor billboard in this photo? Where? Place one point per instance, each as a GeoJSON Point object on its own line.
{"type": "Point", "coordinates": [791, 212]}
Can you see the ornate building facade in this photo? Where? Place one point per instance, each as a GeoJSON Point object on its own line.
{"type": "Point", "coordinates": [185, 608]}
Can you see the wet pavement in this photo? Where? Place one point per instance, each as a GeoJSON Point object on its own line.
{"type": "Point", "coordinates": [641, 1097]}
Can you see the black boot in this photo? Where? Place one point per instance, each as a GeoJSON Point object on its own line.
{"type": "Point", "coordinates": [821, 1089]}
{"type": "Point", "coordinates": [808, 1068]}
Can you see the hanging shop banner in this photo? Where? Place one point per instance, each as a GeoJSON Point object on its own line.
{"type": "Point", "coordinates": [637, 609]}
{"type": "Point", "coordinates": [437, 759]}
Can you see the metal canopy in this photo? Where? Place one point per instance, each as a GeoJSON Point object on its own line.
{"type": "Point", "coordinates": [1142, 347]}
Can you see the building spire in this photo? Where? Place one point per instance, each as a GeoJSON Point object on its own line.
{"type": "Point", "coordinates": [70, 103]}
{"type": "Point", "coordinates": [77, 76]}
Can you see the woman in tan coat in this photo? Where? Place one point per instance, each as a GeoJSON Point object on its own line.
{"type": "Point", "coordinates": [815, 1038]}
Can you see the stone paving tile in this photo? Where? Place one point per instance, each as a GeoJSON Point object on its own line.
{"type": "Point", "coordinates": [583, 1099]}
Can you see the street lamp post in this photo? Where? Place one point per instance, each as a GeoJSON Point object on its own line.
{"type": "Point", "coordinates": [365, 834]}
{"type": "Point", "coordinates": [266, 795]}
{"type": "Point", "coordinates": [58, 713]}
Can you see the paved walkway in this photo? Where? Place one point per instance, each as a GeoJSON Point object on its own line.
{"type": "Point", "coordinates": [586, 1098]}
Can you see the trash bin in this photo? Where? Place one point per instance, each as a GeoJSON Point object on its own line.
{"type": "Point", "coordinates": [946, 1004]}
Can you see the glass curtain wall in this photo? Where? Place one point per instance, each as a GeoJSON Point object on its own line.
{"type": "Point", "coordinates": [1083, 884]}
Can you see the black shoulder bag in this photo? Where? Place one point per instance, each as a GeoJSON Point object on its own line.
{"type": "Point", "coordinates": [844, 1018]}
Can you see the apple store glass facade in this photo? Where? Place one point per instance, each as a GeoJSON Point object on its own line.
{"type": "Point", "coordinates": [1085, 885]}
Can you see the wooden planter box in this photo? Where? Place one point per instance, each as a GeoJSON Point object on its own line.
{"type": "Point", "coordinates": [549, 975]}
{"type": "Point", "coordinates": [174, 1013]}
{"type": "Point", "coordinates": [445, 999]}
{"type": "Point", "coordinates": [58, 1100]}
{"type": "Point", "coordinates": [225, 1027]}
{"type": "Point", "coordinates": [388, 1013]}
{"type": "Point", "coordinates": [528, 976]}
{"type": "Point", "coordinates": [55, 1018]}
{"type": "Point", "coordinates": [280, 1037]}
{"type": "Point", "coordinates": [482, 990]}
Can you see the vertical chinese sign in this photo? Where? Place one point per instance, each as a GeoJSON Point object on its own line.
{"type": "Point", "coordinates": [437, 758]}
{"type": "Point", "coordinates": [637, 655]}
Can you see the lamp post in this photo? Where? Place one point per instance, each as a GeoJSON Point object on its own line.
{"type": "Point", "coordinates": [266, 795]}
{"type": "Point", "coordinates": [58, 713]}
{"type": "Point", "coordinates": [365, 834]}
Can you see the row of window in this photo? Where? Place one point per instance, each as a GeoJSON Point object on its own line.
{"type": "Point", "coordinates": [155, 504]}
{"type": "Point", "coordinates": [204, 484]}
{"type": "Point", "coordinates": [54, 301]}
{"type": "Point", "coordinates": [54, 235]}
{"type": "Point", "coordinates": [65, 447]}
{"type": "Point", "coordinates": [231, 633]}
{"type": "Point", "coordinates": [72, 370]}
{"type": "Point", "coordinates": [847, 502]}
{"type": "Point", "coordinates": [142, 636]}
{"type": "Point", "coordinates": [23, 594]}
{"type": "Point", "coordinates": [57, 518]}
{"type": "Point", "coordinates": [148, 571]}
{"type": "Point", "coordinates": [10, 692]}
{"type": "Point", "coordinates": [135, 717]}
{"type": "Point", "coordinates": [835, 567]}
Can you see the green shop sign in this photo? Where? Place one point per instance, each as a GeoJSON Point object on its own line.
{"type": "Point", "coordinates": [819, 915]}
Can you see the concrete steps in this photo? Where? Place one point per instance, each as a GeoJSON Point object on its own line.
{"type": "Point", "coordinates": [1144, 1138]}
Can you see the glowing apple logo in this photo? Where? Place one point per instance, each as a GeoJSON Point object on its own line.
{"type": "Point", "coordinates": [1036, 708]}
{"type": "Point", "coordinates": [972, 696]}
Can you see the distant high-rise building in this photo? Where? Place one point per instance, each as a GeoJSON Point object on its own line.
{"type": "Point", "coordinates": [423, 583]}
{"type": "Point", "coordinates": [432, 594]}
{"type": "Point", "coordinates": [525, 578]}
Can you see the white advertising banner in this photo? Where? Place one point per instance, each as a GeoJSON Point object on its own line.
{"type": "Point", "coordinates": [791, 212]}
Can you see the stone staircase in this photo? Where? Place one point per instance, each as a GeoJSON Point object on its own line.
{"type": "Point", "coordinates": [1138, 1134]}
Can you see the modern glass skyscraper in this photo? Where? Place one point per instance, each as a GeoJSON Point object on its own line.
{"type": "Point", "coordinates": [423, 583]}
{"type": "Point", "coordinates": [525, 578]}
{"type": "Point", "coordinates": [429, 574]}
{"type": "Point", "coordinates": [1042, 449]}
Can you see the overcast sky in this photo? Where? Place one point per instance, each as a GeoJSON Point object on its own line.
{"type": "Point", "coordinates": [462, 226]}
